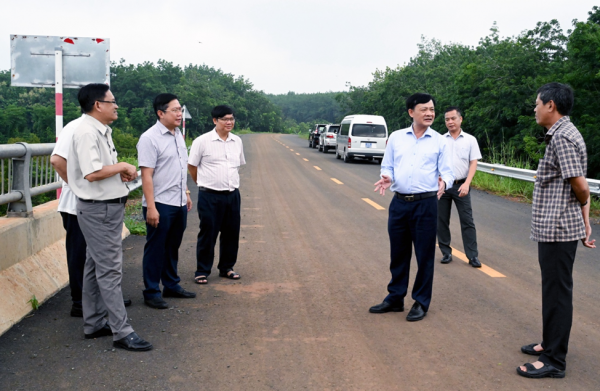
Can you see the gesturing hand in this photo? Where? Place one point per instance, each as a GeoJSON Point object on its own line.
{"type": "Point", "coordinates": [382, 184]}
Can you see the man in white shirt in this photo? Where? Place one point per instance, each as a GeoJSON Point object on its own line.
{"type": "Point", "coordinates": [214, 162]}
{"type": "Point", "coordinates": [74, 242]}
{"type": "Point", "coordinates": [464, 151]}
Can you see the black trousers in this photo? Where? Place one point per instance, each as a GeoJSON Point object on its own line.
{"type": "Point", "coordinates": [219, 213]}
{"type": "Point", "coordinates": [412, 223]}
{"type": "Point", "coordinates": [556, 262]}
{"type": "Point", "coordinates": [467, 226]}
{"type": "Point", "coordinates": [75, 246]}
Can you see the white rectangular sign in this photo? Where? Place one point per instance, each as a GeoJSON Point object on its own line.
{"type": "Point", "coordinates": [85, 60]}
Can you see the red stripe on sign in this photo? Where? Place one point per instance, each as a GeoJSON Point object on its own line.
{"type": "Point", "coordinates": [59, 103]}
{"type": "Point", "coordinates": [98, 40]}
{"type": "Point", "coordinates": [69, 40]}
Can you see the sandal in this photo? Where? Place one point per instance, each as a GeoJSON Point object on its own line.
{"type": "Point", "coordinates": [201, 280]}
{"type": "Point", "coordinates": [229, 273]}
{"type": "Point", "coordinates": [545, 371]}
{"type": "Point", "coordinates": [529, 349]}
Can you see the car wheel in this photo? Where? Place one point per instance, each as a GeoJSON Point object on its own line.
{"type": "Point", "coordinates": [337, 154]}
{"type": "Point", "coordinates": [309, 143]}
{"type": "Point", "coordinates": [346, 157]}
{"type": "Point", "coordinates": [325, 148]}
{"type": "Point", "coordinates": [378, 161]}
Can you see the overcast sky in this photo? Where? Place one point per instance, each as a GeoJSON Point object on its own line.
{"type": "Point", "coordinates": [280, 46]}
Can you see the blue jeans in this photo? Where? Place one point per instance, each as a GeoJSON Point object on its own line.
{"type": "Point", "coordinates": [408, 223]}
{"type": "Point", "coordinates": [161, 251]}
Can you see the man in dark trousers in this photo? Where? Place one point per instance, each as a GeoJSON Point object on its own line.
{"type": "Point", "coordinates": [214, 162]}
{"type": "Point", "coordinates": [464, 152]}
{"type": "Point", "coordinates": [162, 157]}
{"type": "Point", "coordinates": [414, 160]}
{"type": "Point", "coordinates": [560, 218]}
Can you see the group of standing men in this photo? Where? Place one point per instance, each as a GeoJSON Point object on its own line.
{"type": "Point", "coordinates": [95, 192]}
{"type": "Point", "coordinates": [420, 164]}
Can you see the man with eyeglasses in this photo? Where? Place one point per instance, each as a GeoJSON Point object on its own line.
{"type": "Point", "coordinates": [99, 182]}
{"type": "Point", "coordinates": [215, 159]}
{"type": "Point", "coordinates": [162, 157]}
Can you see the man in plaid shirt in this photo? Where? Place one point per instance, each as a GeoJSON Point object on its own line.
{"type": "Point", "coordinates": [560, 218]}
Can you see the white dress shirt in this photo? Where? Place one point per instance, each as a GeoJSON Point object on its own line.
{"type": "Point", "coordinates": [218, 161]}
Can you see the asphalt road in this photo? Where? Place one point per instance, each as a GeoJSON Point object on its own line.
{"type": "Point", "coordinates": [314, 256]}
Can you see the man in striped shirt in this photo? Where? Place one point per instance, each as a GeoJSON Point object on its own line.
{"type": "Point", "coordinates": [214, 162]}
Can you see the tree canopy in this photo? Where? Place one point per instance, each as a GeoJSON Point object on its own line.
{"type": "Point", "coordinates": [495, 85]}
{"type": "Point", "coordinates": [28, 113]}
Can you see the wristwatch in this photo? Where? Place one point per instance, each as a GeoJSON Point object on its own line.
{"type": "Point", "coordinates": [187, 192]}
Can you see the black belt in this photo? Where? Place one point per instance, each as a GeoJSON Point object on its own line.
{"type": "Point", "coordinates": [121, 200]}
{"type": "Point", "coordinates": [416, 197]}
{"type": "Point", "coordinates": [459, 182]}
{"type": "Point", "coordinates": [206, 189]}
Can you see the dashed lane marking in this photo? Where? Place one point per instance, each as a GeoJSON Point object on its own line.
{"type": "Point", "coordinates": [297, 154]}
{"type": "Point", "coordinates": [484, 268]}
{"type": "Point", "coordinates": [317, 168]}
{"type": "Point", "coordinates": [337, 181]}
{"type": "Point", "coordinates": [292, 150]}
{"type": "Point", "coordinates": [373, 204]}
{"type": "Point", "coordinates": [305, 159]}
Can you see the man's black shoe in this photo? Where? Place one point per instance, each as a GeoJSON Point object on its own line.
{"type": "Point", "coordinates": [474, 262]}
{"type": "Point", "coordinates": [127, 302]}
{"type": "Point", "coordinates": [386, 307]}
{"type": "Point", "coordinates": [447, 258]}
{"type": "Point", "coordinates": [76, 311]}
{"type": "Point", "coordinates": [156, 302]}
{"type": "Point", "coordinates": [181, 294]}
{"type": "Point", "coordinates": [105, 331]}
{"type": "Point", "coordinates": [416, 313]}
{"type": "Point", "coordinates": [133, 342]}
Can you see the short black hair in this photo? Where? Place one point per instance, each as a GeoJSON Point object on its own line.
{"type": "Point", "coordinates": [452, 108]}
{"type": "Point", "coordinates": [88, 95]}
{"type": "Point", "coordinates": [161, 102]}
{"type": "Point", "coordinates": [417, 99]}
{"type": "Point", "coordinates": [221, 111]}
{"type": "Point", "coordinates": [561, 94]}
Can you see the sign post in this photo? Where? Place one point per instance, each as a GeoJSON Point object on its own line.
{"type": "Point", "coordinates": [59, 62]}
{"type": "Point", "coordinates": [185, 115]}
{"type": "Point", "coordinates": [58, 90]}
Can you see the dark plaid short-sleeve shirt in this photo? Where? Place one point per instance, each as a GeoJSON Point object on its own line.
{"type": "Point", "coordinates": [556, 212]}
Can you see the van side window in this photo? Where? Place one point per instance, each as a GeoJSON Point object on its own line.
{"type": "Point", "coordinates": [368, 130]}
{"type": "Point", "coordinates": [345, 130]}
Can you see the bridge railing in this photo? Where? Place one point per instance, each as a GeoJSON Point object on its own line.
{"type": "Point", "coordinates": [526, 175]}
{"type": "Point", "coordinates": [26, 172]}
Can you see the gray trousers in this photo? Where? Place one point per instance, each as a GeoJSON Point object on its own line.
{"type": "Point", "coordinates": [102, 225]}
{"type": "Point", "coordinates": [467, 226]}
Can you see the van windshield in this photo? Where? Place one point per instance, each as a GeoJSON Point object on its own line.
{"type": "Point", "coordinates": [365, 130]}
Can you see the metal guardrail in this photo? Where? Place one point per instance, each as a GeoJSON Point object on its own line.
{"type": "Point", "coordinates": [526, 175]}
{"type": "Point", "coordinates": [25, 172]}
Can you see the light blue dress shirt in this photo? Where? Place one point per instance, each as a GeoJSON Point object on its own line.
{"type": "Point", "coordinates": [414, 165]}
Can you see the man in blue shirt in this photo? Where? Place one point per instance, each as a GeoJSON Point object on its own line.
{"type": "Point", "coordinates": [417, 168]}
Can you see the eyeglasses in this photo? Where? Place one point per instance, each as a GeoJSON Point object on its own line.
{"type": "Point", "coordinates": [176, 110]}
{"type": "Point", "coordinates": [114, 102]}
{"type": "Point", "coordinates": [232, 119]}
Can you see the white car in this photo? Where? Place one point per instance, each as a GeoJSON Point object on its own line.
{"type": "Point", "coordinates": [328, 139]}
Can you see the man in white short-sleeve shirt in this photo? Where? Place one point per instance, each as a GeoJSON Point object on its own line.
{"type": "Point", "coordinates": [465, 152]}
{"type": "Point", "coordinates": [74, 241]}
{"type": "Point", "coordinates": [214, 162]}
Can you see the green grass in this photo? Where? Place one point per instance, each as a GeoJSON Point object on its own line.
{"type": "Point", "coordinates": [134, 219]}
{"type": "Point", "coordinates": [503, 186]}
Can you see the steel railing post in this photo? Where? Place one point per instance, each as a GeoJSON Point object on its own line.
{"type": "Point", "coordinates": [20, 184]}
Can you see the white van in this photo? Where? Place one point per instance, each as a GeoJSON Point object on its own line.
{"type": "Point", "coordinates": [363, 136]}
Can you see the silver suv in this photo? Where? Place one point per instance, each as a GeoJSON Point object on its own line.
{"type": "Point", "coordinates": [328, 138]}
